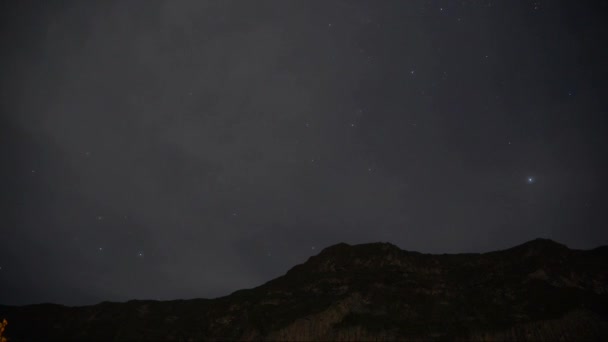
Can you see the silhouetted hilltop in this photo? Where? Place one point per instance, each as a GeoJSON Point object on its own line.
{"type": "Point", "coordinates": [540, 246]}
{"type": "Point", "coordinates": [539, 290]}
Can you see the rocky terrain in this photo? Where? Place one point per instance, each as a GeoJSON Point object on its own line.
{"type": "Point", "coordinates": [540, 290]}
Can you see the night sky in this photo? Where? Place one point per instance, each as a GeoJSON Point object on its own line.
{"type": "Point", "coordinates": [184, 149]}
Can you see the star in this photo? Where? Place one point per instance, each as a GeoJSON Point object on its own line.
{"type": "Point", "coordinates": [140, 254]}
{"type": "Point", "coordinates": [530, 180]}
{"type": "Point", "coordinates": [100, 249]}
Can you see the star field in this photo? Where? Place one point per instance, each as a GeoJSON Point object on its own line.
{"type": "Point", "coordinates": [187, 149]}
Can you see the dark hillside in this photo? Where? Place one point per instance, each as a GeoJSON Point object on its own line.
{"type": "Point", "coordinates": [540, 290]}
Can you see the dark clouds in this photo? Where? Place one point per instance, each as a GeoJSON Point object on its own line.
{"type": "Point", "coordinates": [225, 140]}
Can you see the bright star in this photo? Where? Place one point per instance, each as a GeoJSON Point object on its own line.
{"type": "Point", "coordinates": [530, 180]}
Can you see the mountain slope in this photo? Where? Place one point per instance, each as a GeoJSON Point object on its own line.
{"type": "Point", "coordinates": [537, 290]}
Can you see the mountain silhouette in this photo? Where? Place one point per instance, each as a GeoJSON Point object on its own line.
{"type": "Point", "coordinates": [539, 290]}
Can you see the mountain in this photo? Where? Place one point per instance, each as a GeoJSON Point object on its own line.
{"type": "Point", "coordinates": [540, 290]}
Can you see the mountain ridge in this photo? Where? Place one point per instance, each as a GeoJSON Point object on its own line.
{"type": "Point", "coordinates": [373, 291]}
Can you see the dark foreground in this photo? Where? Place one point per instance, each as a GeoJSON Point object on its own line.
{"type": "Point", "coordinates": [540, 290]}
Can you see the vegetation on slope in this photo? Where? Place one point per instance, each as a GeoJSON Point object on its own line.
{"type": "Point", "coordinates": [370, 291]}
